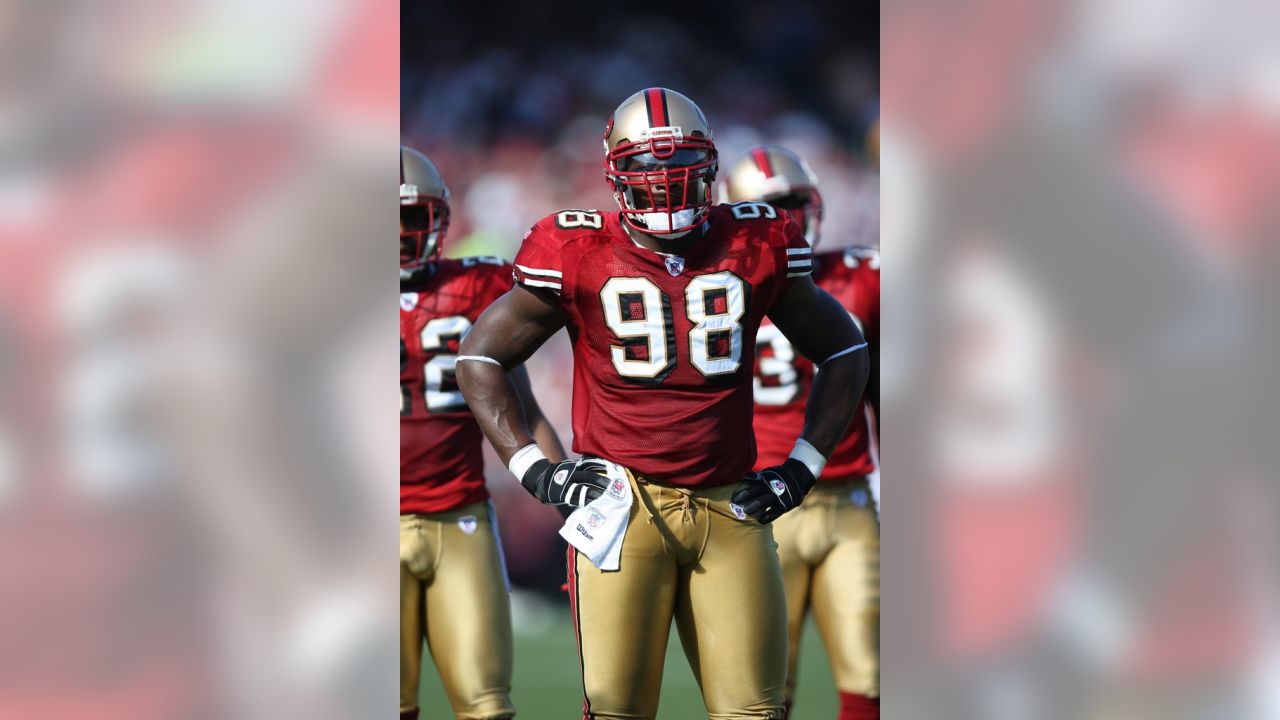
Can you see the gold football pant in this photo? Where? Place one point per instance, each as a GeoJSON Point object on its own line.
{"type": "Point", "coordinates": [830, 552]}
{"type": "Point", "coordinates": [453, 595]}
{"type": "Point", "coordinates": [687, 558]}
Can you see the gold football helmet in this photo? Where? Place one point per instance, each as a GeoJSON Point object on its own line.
{"type": "Point", "coordinates": [776, 175]}
{"type": "Point", "coordinates": [660, 162]}
{"type": "Point", "coordinates": [424, 211]}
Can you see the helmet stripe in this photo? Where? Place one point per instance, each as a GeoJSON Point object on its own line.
{"type": "Point", "coordinates": [655, 101]}
{"type": "Point", "coordinates": [762, 161]}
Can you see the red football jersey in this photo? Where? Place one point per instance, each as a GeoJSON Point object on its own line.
{"type": "Point", "coordinates": [783, 377]}
{"type": "Point", "coordinates": [441, 467]}
{"type": "Point", "coordinates": [663, 344]}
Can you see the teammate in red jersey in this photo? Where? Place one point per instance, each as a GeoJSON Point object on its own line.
{"type": "Point", "coordinates": [830, 547]}
{"type": "Point", "coordinates": [662, 301]}
{"type": "Point", "coordinates": [453, 591]}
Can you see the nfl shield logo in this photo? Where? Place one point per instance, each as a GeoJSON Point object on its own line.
{"type": "Point", "coordinates": [778, 486]}
{"type": "Point", "coordinates": [738, 511]}
{"type": "Point", "coordinates": [675, 265]}
{"type": "Point", "coordinates": [468, 524]}
{"type": "Point", "coordinates": [596, 519]}
{"type": "Point", "coordinates": [615, 489]}
{"type": "Point", "coordinates": [408, 301]}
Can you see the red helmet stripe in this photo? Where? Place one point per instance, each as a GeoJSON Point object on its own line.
{"type": "Point", "coordinates": [762, 161]}
{"type": "Point", "coordinates": [655, 101]}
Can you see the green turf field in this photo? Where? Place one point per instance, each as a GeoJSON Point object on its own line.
{"type": "Point", "coordinates": [547, 686]}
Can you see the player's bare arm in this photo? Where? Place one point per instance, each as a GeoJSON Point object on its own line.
{"type": "Point", "coordinates": [544, 434]}
{"type": "Point", "coordinates": [821, 330]}
{"type": "Point", "coordinates": [504, 336]}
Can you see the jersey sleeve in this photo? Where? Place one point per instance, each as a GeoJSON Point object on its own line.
{"type": "Point", "coordinates": [539, 262]}
{"type": "Point", "coordinates": [798, 255]}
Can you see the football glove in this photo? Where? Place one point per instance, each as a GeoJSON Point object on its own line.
{"type": "Point", "coordinates": [572, 483]}
{"type": "Point", "coordinates": [775, 490]}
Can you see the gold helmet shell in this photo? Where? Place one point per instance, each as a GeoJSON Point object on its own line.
{"type": "Point", "coordinates": [660, 161]}
{"type": "Point", "coordinates": [424, 211]}
{"type": "Point", "coordinates": [774, 174]}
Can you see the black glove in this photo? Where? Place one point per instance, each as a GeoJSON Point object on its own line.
{"type": "Point", "coordinates": [775, 490]}
{"type": "Point", "coordinates": [570, 482]}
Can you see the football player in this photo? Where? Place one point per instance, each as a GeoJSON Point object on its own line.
{"type": "Point", "coordinates": [453, 586]}
{"type": "Point", "coordinates": [829, 547]}
{"type": "Point", "coordinates": [662, 300]}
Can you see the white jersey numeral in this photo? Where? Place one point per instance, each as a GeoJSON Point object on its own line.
{"type": "Point", "coordinates": [639, 315]}
{"type": "Point", "coordinates": [634, 308]}
{"type": "Point", "coordinates": [440, 392]}
{"type": "Point", "coordinates": [752, 210]}
{"type": "Point", "coordinates": [570, 219]}
{"type": "Point", "coordinates": [781, 367]}
{"type": "Point", "coordinates": [715, 304]}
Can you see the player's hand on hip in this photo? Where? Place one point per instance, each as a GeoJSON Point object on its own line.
{"type": "Point", "coordinates": [572, 483]}
{"type": "Point", "coordinates": [775, 490]}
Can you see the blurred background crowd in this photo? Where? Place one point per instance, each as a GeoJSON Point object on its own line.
{"type": "Point", "coordinates": [515, 122]}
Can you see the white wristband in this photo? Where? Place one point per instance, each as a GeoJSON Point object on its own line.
{"type": "Point", "coordinates": [478, 358]}
{"type": "Point", "coordinates": [842, 353]}
{"type": "Point", "coordinates": [524, 459]}
{"type": "Point", "coordinates": [809, 455]}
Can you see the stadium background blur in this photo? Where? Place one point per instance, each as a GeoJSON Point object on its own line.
{"type": "Point", "coordinates": [512, 107]}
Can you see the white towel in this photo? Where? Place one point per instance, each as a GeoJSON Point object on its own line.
{"type": "Point", "coordinates": [598, 529]}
